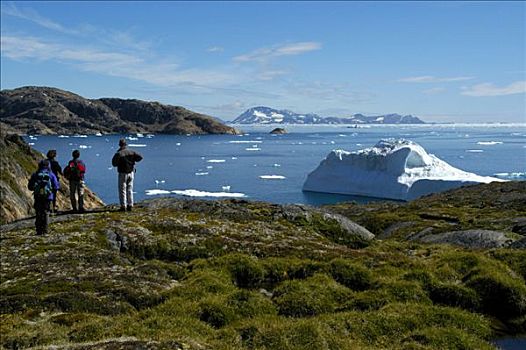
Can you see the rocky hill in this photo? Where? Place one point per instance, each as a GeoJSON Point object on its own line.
{"type": "Point", "coordinates": [189, 274]}
{"type": "Point", "coordinates": [267, 115]}
{"type": "Point", "coordinates": [45, 110]}
{"type": "Point", "coordinates": [18, 161]}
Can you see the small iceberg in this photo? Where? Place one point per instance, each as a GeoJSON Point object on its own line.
{"type": "Point", "coordinates": [99, 134]}
{"type": "Point", "coordinates": [489, 143]}
{"type": "Point", "coordinates": [272, 177]}
{"type": "Point", "coordinates": [156, 192]}
{"type": "Point", "coordinates": [245, 141]}
{"type": "Point", "coordinates": [393, 169]}
{"type": "Point", "coordinates": [136, 145]}
{"type": "Point", "coordinates": [197, 193]}
{"type": "Point", "coordinates": [216, 161]}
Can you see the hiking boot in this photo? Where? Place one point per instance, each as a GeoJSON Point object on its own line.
{"type": "Point", "coordinates": [129, 208]}
{"type": "Point", "coordinates": [81, 210]}
{"type": "Point", "coordinates": [122, 209]}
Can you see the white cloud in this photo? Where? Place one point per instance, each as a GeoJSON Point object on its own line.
{"type": "Point", "coordinates": [30, 15]}
{"type": "Point", "coordinates": [266, 53]}
{"type": "Point", "coordinates": [489, 89]}
{"type": "Point", "coordinates": [114, 63]}
{"type": "Point", "coordinates": [432, 79]}
{"type": "Point", "coordinates": [215, 49]}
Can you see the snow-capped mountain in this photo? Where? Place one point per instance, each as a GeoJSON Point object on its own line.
{"type": "Point", "coordinates": [267, 115]}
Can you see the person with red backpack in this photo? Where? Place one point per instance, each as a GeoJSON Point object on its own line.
{"type": "Point", "coordinates": [44, 185]}
{"type": "Point", "coordinates": [74, 172]}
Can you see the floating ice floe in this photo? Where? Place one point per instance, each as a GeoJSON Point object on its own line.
{"type": "Point", "coordinates": [149, 136]}
{"type": "Point", "coordinates": [272, 177]}
{"type": "Point", "coordinates": [99, 134]}
{"type": "Point", "coordinates": [210, 167]}
{"type": "Point", "coordinates": [139, 135]}
{"type": "Point", "coordinates": [201, 174]}
{"type": "Point", "coordinates": [253, 149]}
{"type": "Point", "coordinates": [156, 191]}
{"type": "Point", "coordinates": [225, 188]}
{"type": "Point", "coordinates": [81, 136]}
{"type": "Point", "coordinates": [394, 168]}
{"type": "Point", "coordinates": [234, 158]}
{"type": "Point", "coordinates": [157, 182]}
{"type": "Point", "coordinates": [489, 143]}
{"type": "Point", "coordinates": [245, 141]}
{"type": "Point", "coordinates": [517, 175]}
{"type": "Point", "coordinates": [136, 145]}
{"type": "Point", "coordinates": [131, 138]}
{"type": "Point", "coordinates": [31, 144]}
{"type": "Point", "coordinates": [84, 146]}
{"type": "Point", "coordinates": [276, 165]}
{"type": "Point", "coordinates": [63, 136]}
{"type": "Point", "coordinates": [474, 150]}
{"type": "Point", "coordinates": [197, 193]}
{"type": "Point", "coordinates": [178, 144]}
{"type": "Point", "coordinates": [216, 161]}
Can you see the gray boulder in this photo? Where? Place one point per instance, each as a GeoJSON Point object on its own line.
{"type": "Point", "coordinates": [469, 238]}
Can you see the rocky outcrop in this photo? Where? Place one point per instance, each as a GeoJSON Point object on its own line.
{"type": "Point", "coordinates": [18, 162]}
{"type": "Point", "coordinates": [279, 131]}
{"type": "Point", "coordinates": [474, 239]}
{"type": "Point", "coordinates": [45, 110]}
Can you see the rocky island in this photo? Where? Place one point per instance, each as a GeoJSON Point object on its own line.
{"type": "Point", "coordinates": [46, 110]}
{"type": "Point", "coordinates": [445, 270]}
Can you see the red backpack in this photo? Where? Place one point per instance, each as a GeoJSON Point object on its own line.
{"type": "Point", "coordinates": [74, 170]}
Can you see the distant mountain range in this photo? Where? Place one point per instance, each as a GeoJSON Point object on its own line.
{"type": "Point", "coordinates": [267, 115]}
{"type": "Point", "coordinates": [46, 110]}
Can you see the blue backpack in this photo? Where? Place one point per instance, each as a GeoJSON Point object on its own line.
{"type": "Point", "coordinates": [43, 186]}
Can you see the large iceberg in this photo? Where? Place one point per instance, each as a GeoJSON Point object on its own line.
{"type": "Point", "coordinates": [394, 168]}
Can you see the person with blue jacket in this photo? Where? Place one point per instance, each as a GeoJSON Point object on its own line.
{"type": "Point", "coordinates": [44, 185]}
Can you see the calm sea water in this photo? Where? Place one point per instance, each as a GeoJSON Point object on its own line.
{"type": "Point", "coordinates": [273, 167]}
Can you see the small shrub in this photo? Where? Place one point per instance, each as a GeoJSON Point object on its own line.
{"type": "Point", "coordinates": [216, 313]}
{"type": "Point", "coordinates": [281, 269]}
{"type": "Point", "coordinates": [454, 295]}
{"type": "Point", "coordinates": [246, 271]}
{"type": "Point", "coordinates": [405, 291]}
{"type": "Point", "coordinates": [251, 304]}
{"type": "Point", "coordinates": [351, 275]}
{"type": "Point", "coordinates": [425, 278]}
{"type": "Point", "coordinates": [200, 283]}
{"type": "Point", "coordinates": [447, 338]}
{"type": "Point", "coordinates": [312, 296]}
{"type": "Point", "coordinates": [368, 300]}
{"type": "Point", "coordinates": [501, 295]}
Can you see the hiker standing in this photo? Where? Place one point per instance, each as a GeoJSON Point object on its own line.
{"type": "Point", "coordinates": [74, 172]}
{"type": "Point", "coordinates": [57, 170]}
{"type": "Point", "coordinates": [44, 185]}
{"type": "Point", "coordinates": [124, 159]}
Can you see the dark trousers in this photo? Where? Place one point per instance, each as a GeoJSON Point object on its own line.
{"type": "Point", "coordinates": [42, 216]}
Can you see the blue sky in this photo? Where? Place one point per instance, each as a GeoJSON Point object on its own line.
{"type": "Point", "coordinates": [441, 61]}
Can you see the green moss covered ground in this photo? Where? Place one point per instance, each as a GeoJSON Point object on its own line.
{"type": "Point", "coordinates": [242, 275]}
